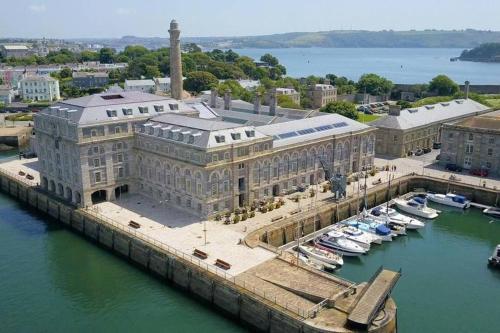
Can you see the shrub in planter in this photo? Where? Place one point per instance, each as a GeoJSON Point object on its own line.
{"type": "Point", "coordinates": [253, 207]}
{"type": "Point", "coordinates": [277, 205]}
{"type": "Point", "coordinates": [263, 209]}
{"type": "Point", "coordinates": [312, 192]}
{"type": "Point", "coordinates": [218, 217]}
{"type": "Point", "coordinates": [244, 216]}
{"type": "Point", "coordinates": [237, 211]}
{"type": "Point", "coordinates": [373, 173]}
{"type": "Point", "coordinates": [236, 219]}
{"type": "Point", "coordinates": [270, 207]}
{"type": "Point", "coordinates": [252, 213]}
{"type": "Point", "coordinates": [227, 214]}
{"type": "Point", "coordinates": [244, 210]}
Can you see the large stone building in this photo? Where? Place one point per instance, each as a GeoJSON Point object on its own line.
{"type": "Point", "coordinates": [322, 94]}
{"type": "Point", "coordinates": [147, 86]}
{"type": "Point", "coordinates": [39, 88]}
{"type": "Point", "coordinates": [15, 50]}
{"type": "Point", "coordinates": [97, 147]}
{"type": "Point", "coordinates": [473, 143]}
{"type": "Point", "coordinates": [290, 92]}
{"type": "Point", "coordinates": [87, 80]}
{"type": "Point", "coordinates": [404, 131]}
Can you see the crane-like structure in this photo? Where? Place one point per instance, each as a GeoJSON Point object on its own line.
{"type": "Point", "coordinates": [337, 181]}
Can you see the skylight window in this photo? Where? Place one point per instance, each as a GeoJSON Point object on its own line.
{"type": "Point", "coordinates": [323, 128]}
{"type": "Point", "coordinates": [306, 131]}
{"type": "Point", "coordinates": [108, 97]}
{"type": "Point", "coordinates": [236, 136]}
{"type": "Point", "coordinates": [288, 135]}
{"type": "Point", "coordinates": [220, 138]}
{"type": "Point", "coordinates": [127, 112]}
{"type": "Point", "coordinates": [143, 109]}
{"type": "Point", "coordinates": [159, 108]}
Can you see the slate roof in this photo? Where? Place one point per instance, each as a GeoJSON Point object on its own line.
{"type": "Point", "coordinates": [436, 113]}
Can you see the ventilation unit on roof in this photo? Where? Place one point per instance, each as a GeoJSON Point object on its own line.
{"type": "Point", "coordinates": [459, 101]}
{"type": "Point", "coordinates": [413, 110]}
{"type": "Point", "coordinates": [445, 104]}
{"type": "Point", "coordinates": [429, 107]}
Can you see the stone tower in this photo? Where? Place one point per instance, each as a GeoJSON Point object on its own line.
{"type": "Point", "coordinates": [175, 61]}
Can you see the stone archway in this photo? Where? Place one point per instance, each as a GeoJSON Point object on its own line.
{"type": "Point", "coordinates": [121, 190]}
{"type": "Point", "coordinates": [98, 196]}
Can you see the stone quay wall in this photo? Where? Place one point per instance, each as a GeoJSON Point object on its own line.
{"type": "Point", "coordinates": [208, 284]}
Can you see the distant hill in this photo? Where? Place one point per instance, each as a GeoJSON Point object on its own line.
{"type": "Point", "coordinates": [337, 38]}
{"type": "Point", "coordinates": [488, 52]}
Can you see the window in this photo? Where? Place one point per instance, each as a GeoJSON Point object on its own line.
{"type": "Point", "coordinates": [172, 107]}
{"type": "Point", "coordinates": [488, 165]}
{"type": "Point", "coordinates": [241, 166]}
{"type": "Point", "coordinates": [236, 136]}
{"type": "Point", "coordinates": [471, 137]}
{"type": "Point", "coordinates": [159, 108]}
{"type": "Point", "coordinates": [120, 172]}
{"type": "Point", "coordinates": [97, 162]}
{"type": "Point", "coordinates": [96, 150]}
{"type": "Point", "coordinates": [118, 129]}
{"type": "Point", "coordinates": [215, 157]}
{"type": "Point", "coordinates": [491, 140]}
{"type": "Point", "coordinates": [111, 113]}
{"type": "Point", "coordinates": [395, 138]}
{"type": "Point", "coordinates": [143, 109]}
{"type": "Point", "coordinates": [220, 138]}
{"type": "Point", "coordinates": [119, 157]}
{"type": "Point", "coordinates": [469, 148]}
{"type": "Point", "coordinates": [127, 112]}
{"type": "Point", "coordinates": [97, 177]}
{"type": "Point", "coordinates": [490, 152]}
{"type": "Point", "coordinates": [93, 132]}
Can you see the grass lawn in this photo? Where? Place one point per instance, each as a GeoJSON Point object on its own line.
{"type": "Point", "coordinates": [366, 118]}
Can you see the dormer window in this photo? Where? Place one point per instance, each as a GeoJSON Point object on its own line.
{"type": "Point", "coordinates": [111, 113]}
{"type": "Point", "coordinates": [170, 134]}
{"type": "Point", "coordinates": [250, 133]}
{"type": "Point", "coordinates": [191, 139]}
{"type": "Point", "coordinates": [180, 136]}
{"type": "Point", "coordinates": [143, 109]}
{"type": "Point", "coordinates": [236, 136]}
{"type": "Point", "coordinates": [220, 138]}
{"type": "Point", "coordinates": [151, 130]}
{"type": "Point", "coordinates": [159, 108]}
{"type": "Point", "coordinates": [127, 112]}
{"type": "Point", "coordinates": [174, 107]}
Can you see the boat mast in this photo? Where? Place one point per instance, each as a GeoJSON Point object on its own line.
{"type": "Point", "coordinates": [388, 198]}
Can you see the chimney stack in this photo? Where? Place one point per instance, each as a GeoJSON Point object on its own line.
{"type": "Point", "coordinates": [273, 102]}
{"type": "Point", "coordinates": [467, 89]}
{"type": "Point", "coordinates": [213, 98]}
{"type": "Point", "coordinates": [394, 110]}
{"type": "Point", "coordinates": [227, 100]}
{"type": "Point", "coordinates": [256, 103]}
{"type": "Point", "coordinates": [176, 84]}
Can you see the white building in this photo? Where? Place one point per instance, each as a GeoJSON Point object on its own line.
{"type": "Point", "coordinates": [146, 86]}
{"type": "Point", "coordinates": [40, 88]}
{"type": "Point", "coordinates": [162, 84]}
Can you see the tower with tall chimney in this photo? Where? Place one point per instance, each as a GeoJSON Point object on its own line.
{"type": "Point", "coordinates": [175, 61]}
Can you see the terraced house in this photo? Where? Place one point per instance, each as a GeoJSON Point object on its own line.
{"type": "Point", "coordinates": [99, 147]}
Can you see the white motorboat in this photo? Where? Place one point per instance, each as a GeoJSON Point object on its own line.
{"type": "Point", "coordinates": [363, 239]}
{"type": "Point", "coordinates": [374, 228]}
{"type": "Point", "coordinates": [492, 211]}
{"type": "Point", "coordinates": [322, 255]}
{"type": "Point", "coordinates": [449, 199]}
{"type": "Point", "coordinates": [494, 260]}
{"type": "Point", "coordinates": [416, 207]}
{"type": "Point", "coordinates": [397, 218]}
{"type": "Point", "coordinates": [337, 242]}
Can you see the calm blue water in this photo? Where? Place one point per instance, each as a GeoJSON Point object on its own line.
{"type": "Point", "coordinates": [399, 65]}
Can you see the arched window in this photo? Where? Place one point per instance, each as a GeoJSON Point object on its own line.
{"type": "Point", "coordinates": [187, 180]}
{"type": "Point", "coordinates": [371, 144]}
{"type": "Point", "coordinates": [338, 151]}
{"type": "Point", "coordinates": [312, 158]}
{"type": "Point", "coordinates": [295, 162]}
{"type": "Point", "coordinates": [214, 184]}
{"type": "Point", "coordinates": [266, 170]}
{"type": "Point", "coordinates": [227, 178]}
{"type": "Point", "coordinates": [303, 160]}
{"type": "Point", "coordinates": [256, 173]}
{"type": "Point", "coordinates": [286, 165]}
{"type": "Point", "coordinates": [346, 153]}
{"type": "Point", "coordinates": [364, 145]}
{"type": "Point", "coordinates": [199, 184]}
{"type": "Point", "coordinates": [276, 165]}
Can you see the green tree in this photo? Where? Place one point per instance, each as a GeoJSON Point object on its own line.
{"type": "Point", "coordinates": [343, 108]}
{"type": "Point", "coordinates": [374, 84]}
{"type": "Point", "coordinates": [199, 81]}
{"type": "Point", "coordinates": [286, 102]}
{"type": "Point", "coordinates": [89, 56]}
{"type": "Point", "coordinates": [65, 73]}
{"type": "Point", "coordinates": [191, 47]}
{"type": "Point", "coordinates": [269, 59]}
{"type": "Point", "coordinates": [404, 104]}
{"type": "Point", "coordinates": [443, 86]}
{"type": "Point", "coordinates": [106, 55]}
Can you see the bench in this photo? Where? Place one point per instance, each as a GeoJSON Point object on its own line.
{"type": "Point", "coordinates": [295, 211]}
{"type": "Point", "coordinates": [134, 225]}
{"type": "Point", "coordinates": [200, 254]}
{"type": "Point", "coordinates": [222, 264]}
{"type": "Point", "coordinates": [276, 218]}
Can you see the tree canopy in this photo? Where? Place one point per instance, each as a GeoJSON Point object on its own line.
{"type": "Point", "coordinates": [199, 81]}
{"type": "Point", "coordinates": [343, 108]}
{"type": "Point", "coordinates": [443, 86]}
{"type": "Point", "coordinates": [374, 84]}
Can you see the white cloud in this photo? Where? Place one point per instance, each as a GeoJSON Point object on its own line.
{"type": "Point", "coordinates": [123, 11]}
{"type": "Point", "coordinates": [37, 8]}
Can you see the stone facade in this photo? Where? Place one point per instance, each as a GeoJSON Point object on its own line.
{"type": "Point", "coordinates": [90, 80]}
{"type": "Point", "coordinates": [473, 144]}
{"type": "Point", "coordinates": [322, 94]}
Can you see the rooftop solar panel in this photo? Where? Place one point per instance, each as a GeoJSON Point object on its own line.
{"type": "Point", "coordinates": [287, 135]}
{"type": "Point", "coordinates": [323, 127]}
{"type": "Point", "coordinates": [306, 131]}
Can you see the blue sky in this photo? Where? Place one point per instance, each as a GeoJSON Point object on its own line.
{"type": "Point", "coordinates": [116, 18]}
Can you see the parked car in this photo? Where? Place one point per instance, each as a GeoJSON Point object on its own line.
{"type": "Point", "coordinates": [419, 152]}
{"type": "Point", "coordinates": [479, 172]}
{"type": "Point", "coordinates": [427, 150]}
{"type": "Point", "coordinates": [409, 153]}
{"type": "Point", "coordinates": [436, 145]}
{"type": "Point", "coordinates": [453, 167]}
{"type": "Point", "coordinates": [368, 112]}
{"type": "Point", "coordinates": [362, 108]}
